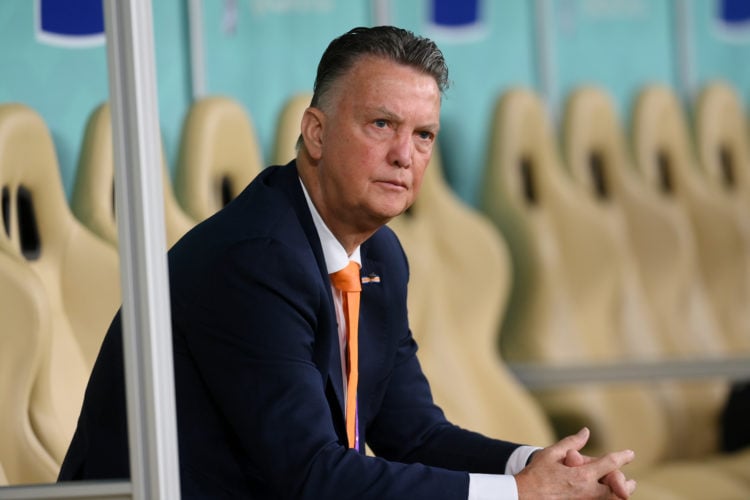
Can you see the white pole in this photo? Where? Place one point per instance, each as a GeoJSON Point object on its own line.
{"type": "Point", "coordinates": [147, 329]}
{"type": "Point", "coordinates": [686, 81]}
{"type": "Point", "coordinates": [545, 60]}
{"type": "Point", "coordinates": [197, 52]}
{"type": "Point", "coordinates": [381, 12]}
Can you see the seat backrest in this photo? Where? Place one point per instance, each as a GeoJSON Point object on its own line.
{"type": "Point", "coordinates": [93, 201]}
{"type": "Point", "coordinates": [219, 156]}
{"type": "Point", "coordinates": [288, 128]}
{"type": "Point", "coordinates": [78, 270]}
{"type": "Point", "coordinates": [563, 241]}
{"type": "Point", "coordinates": [567, 266]}
{"type": "Point", "coordinates": [460, 276]}
{"type": "Point", "coordinates": [722, 140]}
{"type": "Point", "coordinates": [658, 230]}
{"type": "Point", "coordinates": [663, 154]}
{"type": "Point", "coordinates": [25, 341]}
{"type": "Point", "coordinates": [662, 266]}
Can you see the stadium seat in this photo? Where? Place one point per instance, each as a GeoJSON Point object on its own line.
{"type": "Point", "coordinates": [567, 280]}
{"type": "Point", "coordinates": [544, 216]}
{"type": "Point", "coordinates": [79, 271]}
{"type": "Point", "coordinates": [663, 259]}
{"type": "Point", "coordinates": [722, 140]}
{"type": "Point", "coordinates": [93, 200]}
{"type": "Point", "coordinates": [219, 156]}
{"type": "Point", "coordinates": [663, 154]}
{"type": "Point", "coordinates": [26, 455]}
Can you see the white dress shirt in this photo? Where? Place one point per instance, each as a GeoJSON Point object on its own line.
{"type": "Point", "coordinates": [481, 486]}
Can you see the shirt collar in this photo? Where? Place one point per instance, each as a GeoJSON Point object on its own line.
{"type": "Point", "coordinates": [333, 251]}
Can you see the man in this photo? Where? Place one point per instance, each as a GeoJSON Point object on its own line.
{"type": "Point", "coordinates": [262, 363]}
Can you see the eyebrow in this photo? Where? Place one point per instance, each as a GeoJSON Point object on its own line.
{"type": "Point", "coordinates": [390, 115]}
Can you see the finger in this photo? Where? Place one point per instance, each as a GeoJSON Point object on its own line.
{"type": "Point", "coordinates": [617, 482]}
{"type": "Point", "coordinates": [573, 458]}
{"type": "Point", "coordinates": [611, 462]}
{"type": "Point", "coordinates": [631, 485]}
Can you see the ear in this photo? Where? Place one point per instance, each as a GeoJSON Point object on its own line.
{"type": "Point", "coordinates": [312, 131]}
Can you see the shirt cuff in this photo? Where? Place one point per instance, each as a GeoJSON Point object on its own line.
{"type": "Point", "coordinates": [497, 486]}
{"type": "Point", "coordinates": [517, 460]}
{"type": "Point", "coordinates": [492, 487]}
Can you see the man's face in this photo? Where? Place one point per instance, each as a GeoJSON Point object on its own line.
{"type": "Point", "coordinates": [378, 131]}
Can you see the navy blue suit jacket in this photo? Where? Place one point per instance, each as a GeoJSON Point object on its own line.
{"type": "Point", "coordinates": [258, 371]}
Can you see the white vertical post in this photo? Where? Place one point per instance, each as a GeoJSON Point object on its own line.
{"type": "Point", "coordinates": [381, 12]}
{"type": "Point", "coordinates": [545, 60]}
{"type": "Point", "coordinates": [685, 55]}
{"type": "Point", "coordinates": [147, 329]}
{"type": "Point", "coordinates": [197, 51]}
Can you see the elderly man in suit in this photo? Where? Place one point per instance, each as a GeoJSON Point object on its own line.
{"type": "Point", "coordinates": [282, 375]}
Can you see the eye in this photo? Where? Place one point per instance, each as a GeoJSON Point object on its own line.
{"type": "Point", "coordinates": [380, 123]}
{"type": "Point", "coordinates": [425, 135]}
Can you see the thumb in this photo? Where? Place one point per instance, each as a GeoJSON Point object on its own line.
{"type": "Point", "coordinates": [559, 450]}
{"type": "Point", "coordinates": [576, 441]}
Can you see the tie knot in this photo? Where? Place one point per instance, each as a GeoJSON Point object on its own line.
{"type": "Point", "coordinates": [347, 280]}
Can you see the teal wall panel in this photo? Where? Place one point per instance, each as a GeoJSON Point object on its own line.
{"type": "Point", "coordinates": [620, 46]}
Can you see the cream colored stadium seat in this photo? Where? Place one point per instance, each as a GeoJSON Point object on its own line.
{"type": "Point", "coordinates": [93, 201]}
{"type": "Point", "coordinates": [79, 271]}
{"type": "Point", "coordinates": [219, 156]}
{"type": "Point", "coordinates": [663, 259]}
{"type": "Point", "coordinates": [543, 215]}
{"type": "Point", "coordinates": [568, 275]}
{"type": "Point", "coordinates": [25, 341]}
{"type": "Point", "coordinates": [664, 155]}
{"type": "Point", "coordinates": [288, 128]}
{"type": "Point", "coordinates": [460, 276]}
{"type": "Point", "coordinates": [723, 140]}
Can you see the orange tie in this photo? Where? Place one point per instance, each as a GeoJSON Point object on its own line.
{"type": "Point", "coordinates": [348, 281]}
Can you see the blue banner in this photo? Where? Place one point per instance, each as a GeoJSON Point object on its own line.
{"type": "Point", "coordinates": [456, 20]}
{"type": "Point", "coordinates": [70, 23]}
{"type": "Point", "coordinates": [733, 19]}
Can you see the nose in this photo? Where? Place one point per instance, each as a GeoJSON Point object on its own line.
{"type": "Point", "coordinates": [401, 151]}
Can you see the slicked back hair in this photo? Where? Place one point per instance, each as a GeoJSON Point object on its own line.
{"type": "Point", "coordinates": [396, 44]}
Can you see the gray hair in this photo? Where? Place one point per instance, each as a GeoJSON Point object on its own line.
{"type": "Point", "coordinates": [398, 45]}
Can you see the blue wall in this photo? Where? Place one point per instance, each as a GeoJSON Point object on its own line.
{"type": "Point", "coordinates": [265, 50]}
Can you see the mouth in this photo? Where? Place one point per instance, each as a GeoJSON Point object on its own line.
{"type": "Point", "coordinates": [394, 184]}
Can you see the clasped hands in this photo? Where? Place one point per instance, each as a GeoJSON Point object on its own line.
{"type": "Point", "coordinates": [561, 471]}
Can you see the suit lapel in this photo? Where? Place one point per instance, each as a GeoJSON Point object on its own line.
{"type": "Point", "coordinates": [332, 358]}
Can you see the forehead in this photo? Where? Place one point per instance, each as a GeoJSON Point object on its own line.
{"type": "Point", "coordinates": [377, 81]}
